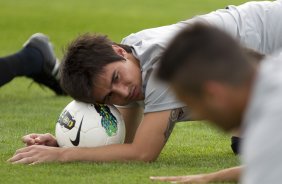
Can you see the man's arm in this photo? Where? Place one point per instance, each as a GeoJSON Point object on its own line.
{"type": "Point", "coordinates": [225, 175]}
{"type": "Point", "coordinates": [132, 118]}
{"type": "Point", "coordinates": [148, 142]}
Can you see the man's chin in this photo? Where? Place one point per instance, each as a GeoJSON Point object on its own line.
{"type": "Point", "coordinates": [127, 103]}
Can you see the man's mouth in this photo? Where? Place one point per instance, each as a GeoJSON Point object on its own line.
{"type": "Point", "coordinates": [133, 93]}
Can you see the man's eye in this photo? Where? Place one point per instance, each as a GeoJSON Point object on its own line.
{"type": "Point", "coordinates": [116, 78]}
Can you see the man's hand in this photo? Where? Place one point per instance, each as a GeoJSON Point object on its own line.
{"type": "Point", "coordinates": [36, 154]}
{"type": "Point", "coordinates": [230, 174]}
{"type": "Point", "coordinates": [200, 179]}
{"type": "Point", "coordinates": [40, 139]}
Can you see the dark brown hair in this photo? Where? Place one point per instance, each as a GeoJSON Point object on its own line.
{"type": "Point", "coordinates": [84, 60]}
{"type": "Point", "coordinates": [201, 52]}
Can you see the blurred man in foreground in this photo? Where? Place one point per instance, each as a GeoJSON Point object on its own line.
{"type": "Point", "coordinates": [229, 86]}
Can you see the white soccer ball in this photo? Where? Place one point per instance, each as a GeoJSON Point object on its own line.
{"type": "Point", "coordinates": [89, 125]}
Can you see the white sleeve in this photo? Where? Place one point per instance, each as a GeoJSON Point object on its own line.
{"type": "Point", "coordinates": [255, 24]}
{"type": "Point", "coordinates": [159, 96]}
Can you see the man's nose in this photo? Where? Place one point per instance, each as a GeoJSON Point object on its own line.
{"type": "Point", "coordinates": [121, 90]}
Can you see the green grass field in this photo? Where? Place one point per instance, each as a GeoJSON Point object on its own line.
{"type": "Point", "coordinates": [26, 108]}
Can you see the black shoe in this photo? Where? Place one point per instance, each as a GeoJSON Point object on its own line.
{"type": "Point", "coordinates": [49, 76]}
{"type": "Point", "coordinates": [235, 144]}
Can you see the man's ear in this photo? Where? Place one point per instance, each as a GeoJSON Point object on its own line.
{"type": "Point", "coordinates": [216, 93]}
{"type": "Point", "coordinates": [120, 51]}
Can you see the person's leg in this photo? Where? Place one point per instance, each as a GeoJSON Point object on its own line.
{"type": "Point", "coordinates": [26, 62]}
{"type": "Point", "coordinates": [36, 60]}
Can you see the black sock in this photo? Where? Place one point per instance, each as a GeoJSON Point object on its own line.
{"type": "Point", "coordinates": [25, 62]}
{"type": "Point", "coordinates": [235, 144]}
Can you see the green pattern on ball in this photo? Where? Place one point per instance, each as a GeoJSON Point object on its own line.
{"type": "Point", "coordinates": [109, 121]}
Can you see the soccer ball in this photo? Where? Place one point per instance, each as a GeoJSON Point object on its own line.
{"type": "Point", "coordinates": [89, 125]}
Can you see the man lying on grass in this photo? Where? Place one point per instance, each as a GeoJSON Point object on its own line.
{"type": "Point", "coordinates": [96, 69]}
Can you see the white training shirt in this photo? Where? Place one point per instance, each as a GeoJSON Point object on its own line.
{"type": "Point", "coordinates": [254, 24]}
{"type": "Point", "coordinates": [261, 149]}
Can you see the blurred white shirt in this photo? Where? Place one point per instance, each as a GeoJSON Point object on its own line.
{"type": "Point", "coordinates": [262, 146]}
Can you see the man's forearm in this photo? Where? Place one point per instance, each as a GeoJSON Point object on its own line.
{"type": "Point", "coordinates": [118, 152]}
{"type": "Point", "coordinates": [230, 174]}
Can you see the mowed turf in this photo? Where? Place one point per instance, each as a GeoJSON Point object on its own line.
{"type": "Point", "coordinates": [25, 107]}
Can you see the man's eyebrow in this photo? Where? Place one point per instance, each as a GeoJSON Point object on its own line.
{"type": "Point", "coordinates": [112, 80]}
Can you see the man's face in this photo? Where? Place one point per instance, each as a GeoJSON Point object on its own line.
{"type": "Point", "coordinates": [220, 107]}
{"type": "Point", "coordinates": [120, 83]}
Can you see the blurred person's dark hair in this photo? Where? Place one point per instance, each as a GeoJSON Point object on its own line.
{"type": "Point", "coordinates": [201, 52]}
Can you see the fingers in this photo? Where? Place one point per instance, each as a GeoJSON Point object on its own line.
{"type": "Point", "coordinates": [26, 155]}
{"type": "Point", "coordinates": [167, 178]}
{"type": "Point", "coordinates": [35, 154]}
{"type": "Point", "coordinates": [27, 160]}
{"type": "Point", "coordinates": [39, 139]}
{"type": "Point", "coordinates": [21, 157]}
{"type": "Point", "coordinates": [29, 139]}
{"type": "Point", "coordinates": [23, 150]}
{"type": "Point", "coordinates": [34, 163]}
{"type": "Point", "coordinates": [43, 139]}
{"type": "Point", "coordinates": [180, 179]}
